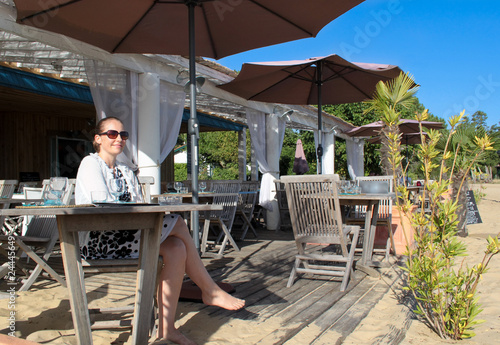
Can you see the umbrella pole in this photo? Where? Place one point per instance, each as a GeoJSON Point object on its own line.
{"type": "Point", "coordinates": [407, 156]}
{"type": "Point", "coordinates": [319, 150]}
{"type": "Point", "coordinates": [193, 125]}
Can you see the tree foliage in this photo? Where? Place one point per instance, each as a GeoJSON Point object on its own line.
{"type": "Point", "coordinates": [219, 150]}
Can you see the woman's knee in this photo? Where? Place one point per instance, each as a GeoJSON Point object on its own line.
{"type": "Point", "coordinates": [173, 247]}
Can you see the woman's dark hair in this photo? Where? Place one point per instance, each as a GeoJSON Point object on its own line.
{"type": "Point", "coordinates": [99, 128]}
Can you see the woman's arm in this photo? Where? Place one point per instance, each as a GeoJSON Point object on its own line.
{"type": "Point", "coordinates": [90, 178]}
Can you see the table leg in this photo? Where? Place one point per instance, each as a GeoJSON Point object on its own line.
{"type": "Point", "coordinates": [365, 257]}
{"type": "Point", "coordinates": [74, 278]}
{"type": "Point", "coordinates": [146, 281]}
{"type": "Point", "coordinates": [373, 230]}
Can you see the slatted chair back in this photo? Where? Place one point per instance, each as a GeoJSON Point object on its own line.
{"type": "Point", "coordinates": [246, 205]}
{"type": "Point", "coordinates": [7, 189]}
{"type": "Point", "coordinates": [33, 192]}
{"type": "Point", "coordinates": [282, 204]}
{"type": "Point", "coordinates": [317, 219]}
{"type": "Point", "coordinates": [31, 184]}
{"type": "Point", "coordinates": [377, 184]}
{"type": "Point", "coordinates": [145, 182]}
{"type": "Point", "coordinates": [226, 195]}
{"type": "Point", "coordinates": [41, 233]}
{"type": "Point", "coordinates": [189, 184]}
{"type": "Point", "coordinates": [248, 197]}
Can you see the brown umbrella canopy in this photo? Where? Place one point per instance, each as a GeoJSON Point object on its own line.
{"type": "Point", "coordinates": [325, 80]}
{"type": "Point", "coordinates": [405, 126]}
{"type": "Point", "coordinates": [296, 82]}
{"type": "Point", "coordinates": [183, 27]}
{"type": "Point", "coordinates": [406, 138]}
{"type": "Point", "coordinates": [222, 27]}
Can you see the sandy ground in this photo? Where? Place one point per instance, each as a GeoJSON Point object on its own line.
{"type": "Point", "coordinates": [49, 319]}
{"type": "Point", "coordinates": [389, 314]}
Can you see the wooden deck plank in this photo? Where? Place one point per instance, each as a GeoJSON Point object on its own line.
{"type": "Point", "coordinates": [312, 310]}
{"type": "Point", "coordinates": [331, 316]}
{"type": "Point", "coordinates": [300, 313]}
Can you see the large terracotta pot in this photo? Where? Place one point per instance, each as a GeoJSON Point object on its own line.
{"type": "Point", "coordinates": [398, 220]}
{"type": "Point", "coordinates": [382, 234]}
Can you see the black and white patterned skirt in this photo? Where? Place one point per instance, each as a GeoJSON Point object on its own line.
{"type": "Point", "coordinates": [120, 244]}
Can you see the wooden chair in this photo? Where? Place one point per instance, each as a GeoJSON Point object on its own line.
{"type": "Point", "coordinates": [145, 182]}
{"type": "Point", "coordinates": [41, 236]}
{"type": "Point", "coordinates": [285, 221]}
{"type": "Point", "coordinates": [376, 184]}
{"type": "Point", "coordinates": [246, 205]}
{"type": "Point", "coordinates": [227, 196]}
{"type": "Point", "coordinates": [317, 225]}
{"type": "Point", "coordinates": [7, 189]}
{"type": "Point", "coordinates": [21, 185]}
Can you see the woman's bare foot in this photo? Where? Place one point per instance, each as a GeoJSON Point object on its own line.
{"type": "Point", "coordinates": [221, 298]}
{"type": "Point", "coordinates": [175, 337]}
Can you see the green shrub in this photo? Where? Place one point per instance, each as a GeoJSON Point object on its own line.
{"type": "Point", "coordinates": [445, 294]}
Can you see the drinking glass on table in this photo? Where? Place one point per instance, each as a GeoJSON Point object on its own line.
{"type": "Point", "coordinates": [98, 196]}
{"type": "Point", "coordinates": [202, 185]}
{"type": "Point", "coordinates": [178, 186]}
{"type": "Point", "coordinates": [57, 186]}
{"type": "Point", "coordinates": [116, 187]}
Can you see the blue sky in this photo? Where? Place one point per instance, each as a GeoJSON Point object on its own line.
{"type": "Point", "coordinates": [452, 49]}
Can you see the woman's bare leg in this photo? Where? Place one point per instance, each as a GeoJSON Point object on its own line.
{"type": "Point", "coordinates": [173, 252]}
{"type": "Point", "coordinates": [212, 294]}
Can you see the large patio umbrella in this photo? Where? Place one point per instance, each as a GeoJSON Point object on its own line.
{"type": "Point", "coordinates": [410, 131]}
{"type": "Point", "coordinates": [406, 138]}
{"type": "Point", "coordinates": [406, 126]}
{"type": "Point", "coordinates": [324, 80]}
{"type": "Point", "coordinates": [214, 28]}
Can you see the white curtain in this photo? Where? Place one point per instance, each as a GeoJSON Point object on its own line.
{"type": "Point", "coordinates": [355, 156]}
{"type": "Point", "coordinates": [114, 91]}
{"type": "Point", "coordinates": [256, 121]}
{"type": "Point", "coordinates": [171, 110]}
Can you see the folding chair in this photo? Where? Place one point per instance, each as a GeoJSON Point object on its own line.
{"type": "Point", "coordinates": [246, 205]}
{"type": "Point", "coordinates": [41, 233]}
{"type": "Point", "coordinates": [317, 225]}
{"type": "Point", "coordinates": [227, 196]}
{"type": "Point", "coordinates": [9, 225]}
{"type": "Point", "coordinates": [285, 221]}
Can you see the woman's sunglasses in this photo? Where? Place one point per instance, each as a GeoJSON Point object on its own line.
{"type": "Point", "coordinates": [112, 134]}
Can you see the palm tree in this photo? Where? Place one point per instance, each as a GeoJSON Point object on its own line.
{"type": "Point", "coordinates": [388, 101]}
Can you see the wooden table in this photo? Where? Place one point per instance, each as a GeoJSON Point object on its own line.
{"type": "Point", "coordinates": [413, 191]}
{"type": "Point", "coordinates": [19, 201]}
{"type": "Point", "coordinates": [71, 220]}
{"type": "Point", "coordinates": [372, 202]}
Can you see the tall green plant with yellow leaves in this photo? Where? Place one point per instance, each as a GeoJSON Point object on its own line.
{"type": "Point", "coordinates": [445, 293]}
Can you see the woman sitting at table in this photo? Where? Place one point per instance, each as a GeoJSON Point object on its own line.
{"type": "Point", "coordinates": [177, 247]}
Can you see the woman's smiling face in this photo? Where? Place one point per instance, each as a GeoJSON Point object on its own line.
{"type": "Point", "coordinates": [109, 146]}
